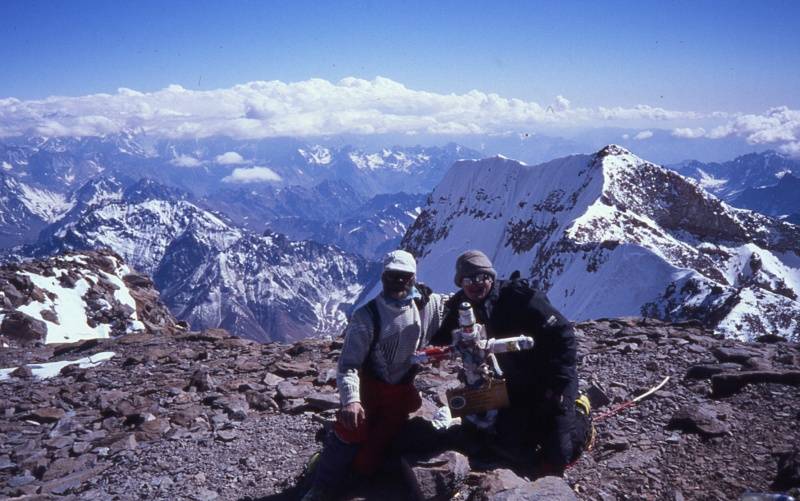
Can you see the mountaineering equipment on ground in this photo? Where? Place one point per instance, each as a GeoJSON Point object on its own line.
{"type": "Point", "coordinates": [630, 403]}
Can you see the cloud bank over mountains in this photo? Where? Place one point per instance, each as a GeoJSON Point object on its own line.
{"type": "Point", "coordinates": [779, 125]}
{"type": "Point", "coordinates": [318, 107]}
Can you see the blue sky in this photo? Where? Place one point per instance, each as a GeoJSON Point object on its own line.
{"type": "Point", "coordinates": [703, 56]}
{"type": "Point", "coordinates": [696, 69]}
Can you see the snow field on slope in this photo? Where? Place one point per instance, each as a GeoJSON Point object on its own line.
{"type": "Point", "coordinates": [70, 308]}
{"type": "Point", "coordinates": [750, 307]}
{"type": "Point", "coordinates": [52, 369]}
{"type": "Point", "coordinates": [503, 186]}
{"type": "Point", "coordinates": [629, 277]}
{"type": "Point", "coordinates": [48, 205]}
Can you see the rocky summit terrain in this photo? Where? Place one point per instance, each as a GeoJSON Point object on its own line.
{"type": "Point", "coordinates": [176, 414]}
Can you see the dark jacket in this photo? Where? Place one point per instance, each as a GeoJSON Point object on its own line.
{"type": "Point", "coordinates": [513, 308]}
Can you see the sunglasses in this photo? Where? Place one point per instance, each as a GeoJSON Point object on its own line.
{"type": "Point", "coordinates": [398, 275]}
{"type": "Point", "coordinates": [477, 279]}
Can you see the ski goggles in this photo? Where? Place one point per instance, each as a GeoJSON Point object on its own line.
{"type": "Point", "coordinates": [480, 278]}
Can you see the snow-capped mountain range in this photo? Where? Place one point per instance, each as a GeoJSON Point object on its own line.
{"type": "Point", "coordinates": [25, 210]}
{"type": "Point", "coordinates": [610, 235]}
{"type": "Point", "coordinates": [331, 194]}
{"type": "Point", "coordinates": [284, 257]}
{"type": "Point", "coordinates": [781, 200]}
{"type": "Point", "coordinates": [375, 228]}
{"type": "Point", "coordinates": [212, 273]}
{"type": "Point", "coordinates": [728, 180]}
{"type": "Point", "coordinates": [204, 166]}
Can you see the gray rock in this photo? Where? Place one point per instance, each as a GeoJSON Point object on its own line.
{"type": "Point", "coordinates": [699, 419]}
{"type": "Point", "coordinates": [323, 401]}
{"type": "Point", "coordinates": [437, 477]}
{"type": "Point", "coordinates": [271, 379]}
{"type": "Point", "coordinates": [20, 480]}
{"type": "Point", "coordinates": [730, 354]}
{"type": "Point", "coordinates": [294, 369]}
{"type": "Point", "coordinates": [724, 385]}
{"type": "Point", "coordinates": [226, 435]}
{"type": "Point", "coordinates": [261, 402]}
{"type": "Point", "coordinates": [496, 482]}
{"type": "Point", "coordinates": [291, 390]}
{"type": "Point", "coordinates": [235, 406]}
{"type": "Point", "coordinates": [202, 381]}
{"type": "Point", "coordinates": [47, 414]}
{"type": "Point", "coordinates": [23, 328]}
{"type": "Point", "coordinates": [551, 489]}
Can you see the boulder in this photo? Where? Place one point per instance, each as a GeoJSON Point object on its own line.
{"type": "Point", "coordinates": [47, 414]}
{"type": "Point", "coordinates": [201, 381]}
{"type": "Point", "coordinates": [700, 419]}
{"type": "Point", "coordinates": [505, 485]}
{"type": "Point", "coordinates": [23, 328]}
{"type": "Point", "coordinates": [437, 477]}
{"type": "Point", "coordinates": [723, 385]}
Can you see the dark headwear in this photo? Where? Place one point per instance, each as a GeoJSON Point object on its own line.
{"type": "Point", "coordinates": [471, 263]}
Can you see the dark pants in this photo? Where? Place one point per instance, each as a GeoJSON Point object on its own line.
{"type": "Point", "coordinates": [543, 435]}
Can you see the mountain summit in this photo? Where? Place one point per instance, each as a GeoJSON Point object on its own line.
{"type": "Point", "coordinates": [611, 234]}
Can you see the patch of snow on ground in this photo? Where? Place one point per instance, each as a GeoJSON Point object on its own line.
{"type": "Point", "coordinates": [69, 305]}
{"type": "Point", "coordinates": [69, 308]}
{"type": "Point", "coordinates": [52, 369]}
{"type": "Point", "coordinates": [123, 295]}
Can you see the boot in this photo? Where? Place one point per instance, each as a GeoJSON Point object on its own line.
{"type": "Point", "coordinates": [330, 469]}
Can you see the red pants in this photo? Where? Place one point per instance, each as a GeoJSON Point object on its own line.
{"type": "Point", "coordinates": [387, 407]}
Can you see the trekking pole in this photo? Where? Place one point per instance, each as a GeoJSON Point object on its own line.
{"type": "Point", "coordinates": [629, 403]}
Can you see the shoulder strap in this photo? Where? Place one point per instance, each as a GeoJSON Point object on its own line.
{"type": "Point", "coordinates": [372, 309]}
{"type": "Point", "coordinates": [425, 295]}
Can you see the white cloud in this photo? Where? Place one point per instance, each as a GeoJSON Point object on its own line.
{"type": "Point", "coordinates": [561, 104]}
{"type": "Point", "coordinates": [779, 125]}
{"type": "Point", "coordinates": [319, 107]}
{"type": "Point", "coordinates": [185, 161]}
{"type": "Point", "coordinates": [645, 134]}
{"type": "Point", "coordinates": [626, 136]}
{"type": "Point", "coordinates": [689, 133]}
{"type": "Point", "coordinates": [252, 175]}
{"type": "Point", "coordinates": [308, 108]}
{"type": "Point", "coordinates": [791, 149]}
{"type": "Point", "coordinates": [229, 158]}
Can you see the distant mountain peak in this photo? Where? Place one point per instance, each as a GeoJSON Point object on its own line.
{"type": "Point", "coordinates": [612, 150]}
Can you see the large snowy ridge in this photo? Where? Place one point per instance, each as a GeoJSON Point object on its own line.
{"type": "Point", "coordinates": [613, 235]}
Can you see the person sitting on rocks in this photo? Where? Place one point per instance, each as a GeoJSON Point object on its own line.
{"type": "Point", "coordinates": [375, 374]}
{"type": "Point", "coordinates": [543, 415]}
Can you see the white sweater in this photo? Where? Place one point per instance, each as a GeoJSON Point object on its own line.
{"type": "Point", "coordinates": [404, 329]}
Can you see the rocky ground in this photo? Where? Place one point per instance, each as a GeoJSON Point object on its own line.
{"type": "Point", "coordinates": [176, 414]}
{"type": "Point", "coordinates": [186, 415]}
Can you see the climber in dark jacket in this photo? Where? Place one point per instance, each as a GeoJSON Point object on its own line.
{"type": "Point", "coordinates": [542, 382]}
